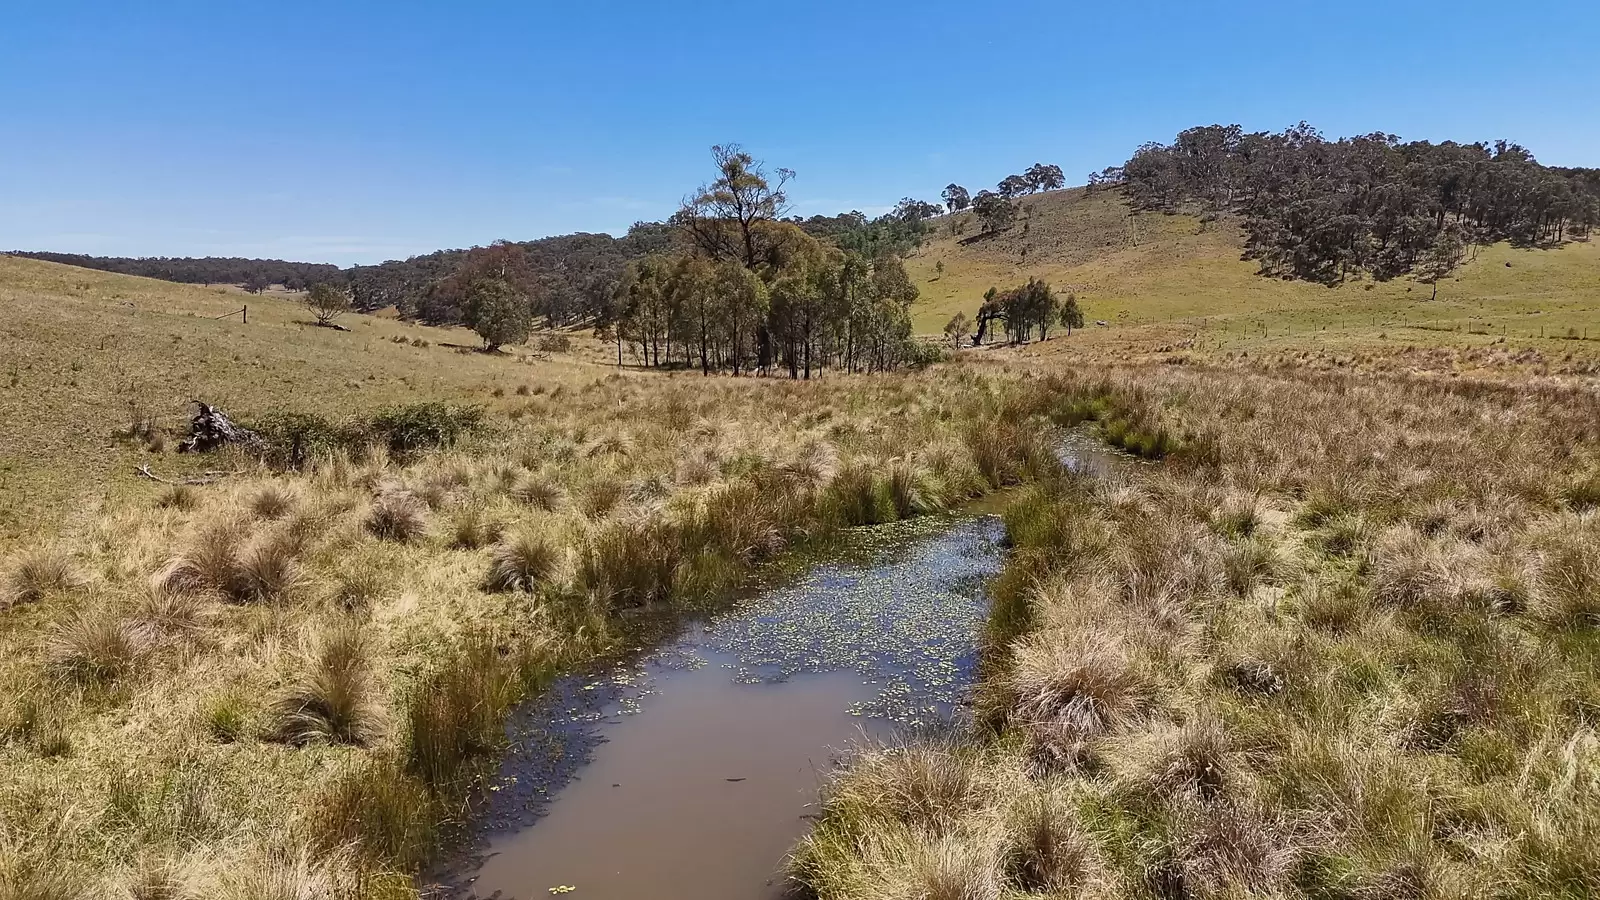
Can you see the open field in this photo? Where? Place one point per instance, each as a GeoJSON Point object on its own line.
{"type": "Point", "coordinates": [85, 355]}
{"type": "Point", "coordinates": [1133, 270]}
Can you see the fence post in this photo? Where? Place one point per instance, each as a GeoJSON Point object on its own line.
{"type": "Point", "coordinates": [245, 314]}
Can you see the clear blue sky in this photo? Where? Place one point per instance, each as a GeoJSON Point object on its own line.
{"type": "Point", "coordinates": [356, 132]}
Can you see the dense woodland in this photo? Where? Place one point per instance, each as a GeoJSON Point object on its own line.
{"type": "Point", "coordinates": [1326, 210]}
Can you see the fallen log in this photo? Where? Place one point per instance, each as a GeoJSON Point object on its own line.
{"type": "Point", "coordinates": [211, 428]}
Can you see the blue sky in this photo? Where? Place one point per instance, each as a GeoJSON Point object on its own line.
{"type": "Point", "coordinates": [357, 132]}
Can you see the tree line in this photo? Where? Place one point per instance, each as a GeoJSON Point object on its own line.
{"type": "Point", "coordinates": [1373, 205]}
{"type": "Point", "coordinates": [254, 275]}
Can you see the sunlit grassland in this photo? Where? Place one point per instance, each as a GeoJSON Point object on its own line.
{"type": "Point", "coordinates": [1341, 642]}
{"type": "Point", "coordinates": [294, 677]}
{"type": "Point", "coordinates": [86, 354]}
{"type": "Point", "coordinates": [1137, 270]}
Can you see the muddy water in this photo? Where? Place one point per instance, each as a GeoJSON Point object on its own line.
{"type": "Point", "coordinates": [690, 772]}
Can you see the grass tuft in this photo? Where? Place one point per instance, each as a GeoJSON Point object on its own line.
{"type": "Point", "coordinates": [332, 698]}
{"type": "Point", "coordinates": [37, 574]}
{"type": "Point", "coordinates": [397, 515]}
{"type": "Point", "coordinates": [96, 647]}
{"type": "Point", "coordinates": [523, 560]}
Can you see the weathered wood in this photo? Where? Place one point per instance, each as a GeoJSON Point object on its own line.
{"type": "Point", "coordinates": [211, 428]}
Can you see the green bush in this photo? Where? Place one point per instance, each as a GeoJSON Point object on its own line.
{"type": "Point", "coordinates": [291, 439]}
{"type": "Point", "coordinates": [421, 426]}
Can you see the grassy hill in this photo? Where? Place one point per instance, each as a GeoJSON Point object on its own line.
{"type": "Point", "coordinates": [1137, 269]}
{"type": "Point", "coordinates": [83, 354]}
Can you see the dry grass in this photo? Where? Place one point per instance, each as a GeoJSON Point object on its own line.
{"type": "Point", "coordinates": [37, 574]}
{"type": "Point", "coordinates": [1334, 645]}
{"type": "Point", "coordinates": [328, 646]}
{"type": "Point", "coordinates": [331, 697]}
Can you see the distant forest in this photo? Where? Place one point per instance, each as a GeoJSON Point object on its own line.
{"type": "Point", "coordinates": [1312, 208]}
{"type": "Point", "coordinates": [251, 274]}
{"type": "Point", "coordinates": [1324, 210]}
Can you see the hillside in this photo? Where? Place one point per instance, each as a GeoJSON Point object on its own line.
{"type": "Point", "coordinates": [1133, 269]}
{"type": "Point", "coordinates": [83, 354]}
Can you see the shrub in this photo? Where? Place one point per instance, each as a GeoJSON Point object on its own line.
{"type": "Point", "coordinates": [332, 698]}
{"type": "Point", "coordinates": [555, 343]}
{"type": "Point", "coordinates": [406, 430]}
{"type": "Point", "coordinates": [293, 439]}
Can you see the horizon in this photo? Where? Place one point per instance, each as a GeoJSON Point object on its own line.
{"type": "Point", "coordinates": [419, 130]}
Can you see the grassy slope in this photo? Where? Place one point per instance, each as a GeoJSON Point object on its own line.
{"type": "Point", "coordinates": [80, 350]}
{"type": "Point", "coordinates": [1182, 272]}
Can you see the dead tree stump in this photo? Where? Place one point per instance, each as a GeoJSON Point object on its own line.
{"type": "Point", "coordinates": [211, 428]}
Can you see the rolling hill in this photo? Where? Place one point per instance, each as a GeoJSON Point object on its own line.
{"type": "Point", "coordinates": [83, 354]}
{"type": "Point", "coordinates": [1131, 269]}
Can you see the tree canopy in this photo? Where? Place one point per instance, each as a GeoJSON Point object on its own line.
{"type": "Point", "coordinates": [956, 197]}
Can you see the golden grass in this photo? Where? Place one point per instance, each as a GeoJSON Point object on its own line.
{"type": "Point", "coordinates": [1342, 642]}
{"type": "Point", "coordinates": [99, 370]}
{"type": "Point", "coordinates": [335, 647]}
{"type": "Point", "coordinates": [1174, 281]}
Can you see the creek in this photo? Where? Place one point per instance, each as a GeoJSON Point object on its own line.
{"type": "Point", "coordinates": [690, 769]}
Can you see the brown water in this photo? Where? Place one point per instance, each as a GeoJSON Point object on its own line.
{"type": "Point", "coordinates": [691, 772]}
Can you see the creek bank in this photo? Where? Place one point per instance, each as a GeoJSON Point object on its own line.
{"type": "Point", "coordinates": [690, 768]}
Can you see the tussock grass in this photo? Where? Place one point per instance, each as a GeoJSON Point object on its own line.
{"type": "Point", "coordinates": [455, 716]}
{"type": "Point", "coordinates": [273, 501]}
{"type": "Point", "coordinates": [339, 670]}
{"type": "Point", "coordinates": [97, 647]}
{"type": "Point", "coordinates": [539, 492]}
{"type": "Point", "coordinates": [524, 560]}
{"type": "Point", "coordinates": [225, 560]}
{"type": "Point", "coordinates": [331, 697]}
{"type": "Point", "coordinates": [472, 528]}
{"type": "Point", "coordinates": [397, 515]}
{"type": "Point", "coordinates": [179, 497]}
{"type": "Point", "coordinates": [1339, 643]}
{"type": "Point", "coordinates": [37, 574]}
